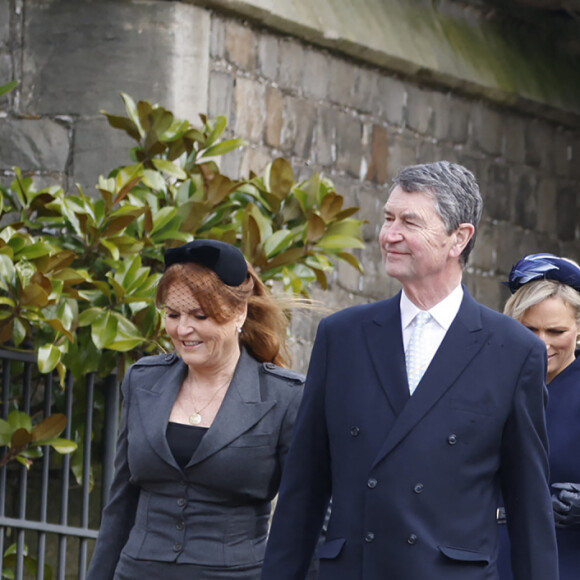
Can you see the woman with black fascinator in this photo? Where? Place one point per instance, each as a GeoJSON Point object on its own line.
{"type": "Point", "coordinates": [204, 431]}
{"type": "Point", "coordinates": [546, 299]}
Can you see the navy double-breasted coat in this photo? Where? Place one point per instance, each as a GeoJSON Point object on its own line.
{"type": "Point", "coordinates": [415, 480]}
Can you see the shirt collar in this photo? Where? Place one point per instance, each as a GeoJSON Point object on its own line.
{"type": "Point", "coordinates": [443, 313]}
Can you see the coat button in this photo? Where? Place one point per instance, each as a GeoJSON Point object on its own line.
{"type": "Point", "coordinates": [177, 547]}
{"type": "Point", "coordinates": [372, 482]}
{"type": "Point", "coordinates": [418, 488]}
{"type": "Point", "coordinates": [370, 537]}
{"type": "Point", "coordinates": [412, 539]}
{"type": "Point", "coordinates": [168, 356]}
{"type": "Point", "coordinates": [180, 525]}
{"type": "Point", "coordinates": [181, 502]}
{"type": "Point", "coordinates": [270, 365]}
{"type": "Point", "coordinates": [354, 431]}
{"type": "Point", "coordinates": [452, 439]}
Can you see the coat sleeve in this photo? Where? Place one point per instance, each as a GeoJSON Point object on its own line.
{"type": "Point", "coordinates": [525, 476]}
{"type": "Point", "coordinates": [119, 514]}
{"type": "Point", "coordinates": [305, 488]}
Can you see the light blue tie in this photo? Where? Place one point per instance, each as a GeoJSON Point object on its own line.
{"type": "Point", "coordinates": [416, 357]}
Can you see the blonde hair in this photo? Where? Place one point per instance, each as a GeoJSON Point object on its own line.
{"type": "Point", "coordinates": [264, 331]}
{"type": "Point", "coordinates": [537, 291]}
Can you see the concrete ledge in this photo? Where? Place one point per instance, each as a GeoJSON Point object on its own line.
{"type": "Point", "coordinates": [452, 45]}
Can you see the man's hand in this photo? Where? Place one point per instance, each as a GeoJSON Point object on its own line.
{"type": "Point", "coordinates": [566, 504]}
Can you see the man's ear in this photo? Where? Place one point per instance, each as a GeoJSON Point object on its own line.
{"type": "Point", "coordinates": [462, 234]}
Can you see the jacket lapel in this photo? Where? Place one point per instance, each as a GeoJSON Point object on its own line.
{"type": "Point", "coordinates": [155, 402]}
{"type": "Point", "coordinates": [385, 345]}
{"type": "Point", "coordinates": [463, 341]}
{"type": "Point", "coordinates": [241, 409]}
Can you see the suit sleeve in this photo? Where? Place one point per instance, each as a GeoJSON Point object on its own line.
{"type": "Point", "coordinates": [525, 476]}
{"type": "Point", "coordinates": [119, 514]}
{"type": "Point", "coordinates": [305, 488]}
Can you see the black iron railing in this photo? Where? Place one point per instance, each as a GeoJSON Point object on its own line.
{"type": "Point", "coordinates": [50, 512]}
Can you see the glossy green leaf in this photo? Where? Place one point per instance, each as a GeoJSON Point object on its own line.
{"type": "Point", "coordinates": [50, 427]}
{"type": "Point", "coordinates": [48, 355]}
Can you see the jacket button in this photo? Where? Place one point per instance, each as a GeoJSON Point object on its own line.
{"type": "Point", "coordinates": [418, 488]}
{"type": "Point", "coordinates": [168, 356]}
{"type": "Point", "coordinates": [177, 547]}
{"type": "Point", "coordinates": [181, 502]}
{"type": "Point", "coordinates": [270, 365]}
{"type": "Point", "coordinates": [452, 439]}
{"type": "Point", "coordinates": [354, 431]}
{"type": "Point", "coordinates": [180, 525]}
{"type": "Point", "coordinates": [370, 537]}
{"type": "Point", "coordinates": [412, 539]}
{"type": "Point", "coordinates": [372, 482]}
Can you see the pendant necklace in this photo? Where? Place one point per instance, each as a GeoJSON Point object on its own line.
{"type": "Point", "coordinates": [195, 417]}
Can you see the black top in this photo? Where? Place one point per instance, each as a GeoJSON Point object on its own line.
{"type": "Point", "coordinates": [183, 441]}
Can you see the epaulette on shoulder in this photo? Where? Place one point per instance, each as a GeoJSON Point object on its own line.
{"type": "Point", "coordinates": [289, 374]}
{"type": "Point", "coordinates": [157, 359]}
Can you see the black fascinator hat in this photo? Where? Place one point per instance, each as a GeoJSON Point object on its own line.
{"type": "Point", "coordinates": [224, 259]}
{"type": "Point", "coordinates": [543, 267]}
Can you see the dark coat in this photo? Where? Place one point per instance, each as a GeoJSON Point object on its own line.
{"type": "Point", "coordinates": [415, 480]}
{"type": "Point", "coordinates": [215, 512]}
{"type": "Point", "coordinates": [563, 421]}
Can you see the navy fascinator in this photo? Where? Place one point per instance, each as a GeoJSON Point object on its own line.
{"type": "Point", "coordinates": [224, 259]}
{"type": "Point", "coordinates": [543, 267]}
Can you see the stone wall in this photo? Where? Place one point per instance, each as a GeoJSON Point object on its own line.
{"type": "Point", "coordinates": [325, 108]}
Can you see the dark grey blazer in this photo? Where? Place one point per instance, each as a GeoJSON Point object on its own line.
{"type": "Point", "coordinates": [214, 512]}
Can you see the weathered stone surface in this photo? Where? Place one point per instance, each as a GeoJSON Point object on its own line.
{"type": "Point", "coordinates": [498, 199]}
{"type": "Point", "coordinates": [250, 109]}
{"type": "Point", "coordinates": [4, 25]}
{"type": "Point", "coordinates": [342, 76]}
{"type": "Point", "coordinates": [220, 95]}
{"type": "Point", "coordinates": [268, 61]}
{"type": "Point", "coordinates": [348, 144]}
{"type": "Point", "coordinates": [79, 55]}
{"type": "Point", "coordinates": [547, 206]}
{"type": "Point", "coordinates": [299, 122]}
{"type": "Point", "coordinates": [487, 129]}
{"type": "Point", "coordinates": [525, 200]}
{"type": "Point", "coordinates": [324, 136]}
{"type": "Point", "coordinates": [97, 150]}
{"type": "Point", "coordinates": [240, 45]}
{"type": "Point", "coordinates": [392, 100]}
{"type": "Point", "coordinates": [450, 118]}
{"type": "Point", "coordinates": [217, 42]}
{"type": "Point", "coordinates": [419, 109]}
{"type": "Point", "coordinates": [292, 62]}
{"type": "Point", "coordinates": [34, 144]}
{"type": "Point", "coordinates": [274, 117]}
{"type": "Point", "coordinates": [568, 213]}
{"type": "Point", "coordinates": [377, 171]}
{"type": "Point", "coordinates": [366, 91]}
{"type": "Point", "coordinates": [315, 75]}
{"type": "Point", "coordinates": [402, 152]}
{"type": "Point", "coordinates": [515, 139]}
{"type": "Point", "coordinates": [483, 257]}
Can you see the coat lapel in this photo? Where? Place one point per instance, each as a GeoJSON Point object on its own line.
{"type": "Point", "coordinates": [463, 341]}
{"type": "Point", "coordinates": [241, 409]}
{"type": "Point", "coordinates": [385, 345]}
{"type": "Point", "coordinates": [155, 402]}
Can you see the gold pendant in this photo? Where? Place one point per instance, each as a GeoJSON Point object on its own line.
{"type": "Point", "coordinates": [195, 419]}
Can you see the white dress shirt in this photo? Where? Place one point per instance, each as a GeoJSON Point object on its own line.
{"type": "Point", "coordinates": [442, 315]}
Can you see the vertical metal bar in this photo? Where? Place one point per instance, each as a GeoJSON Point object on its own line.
{"type": "Point", "coordinates": [110, 428]}
{"type": "Point", "coordinates": [62, 539]}
{"type": "Point", "coordinates": [86, 484]}
{"type": "Point", "coordinates": [41, 550]}
{"type": "Point", "coordinates": [6, 378]}
{"type": "Point", "coordinates": [23, 483]}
